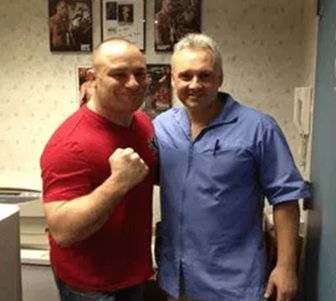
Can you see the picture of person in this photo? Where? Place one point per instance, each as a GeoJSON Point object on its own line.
{"type": "Point", "coordinates": [159, 92]}
{"type": "Point", "coordinates": [111, 10]}
{"type": "Point", "coordinates": [87, 84]}
{"type": "Point", "coordinates": [188, 19]}
{"type": "Point", "coordinates": [163, 26]}
{"type": "Point", "coordinates": [125, 19]}
{"type": "Point", "coordinates": [82, 25]}
{"type": "Point", "coordinates": [173, 20]}
{"type": "Point", "coordinates": [60, 26]}
{"type": "Point", "coordinates": [70, 25]}
{"type": "Point", "coordinates": [125, 14]}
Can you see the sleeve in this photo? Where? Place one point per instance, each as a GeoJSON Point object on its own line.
{"type": "Point", "coordinates": [65, 173]}
{"type": "Point", "coordinates": [280, 179]}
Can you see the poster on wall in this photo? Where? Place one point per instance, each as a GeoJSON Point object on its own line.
{"type": "Point", "coordinates": [85, 84]}
{"type": "Point", "coordinates": [124, 19]}
{"type": "Point", "coordinates": [173, 20]}
{"type": "Point", "coordinates": [159, 93]}
{"type": "Point", "coordinates": [70, 25]}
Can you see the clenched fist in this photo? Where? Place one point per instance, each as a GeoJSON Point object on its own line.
{"type": "Point", "coordinates": [127, 168]}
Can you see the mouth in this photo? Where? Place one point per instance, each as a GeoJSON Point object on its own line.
{"type": "Point", "coordinates": [195, 95]}
{"type": "Point", "coordinates": [132, 94]}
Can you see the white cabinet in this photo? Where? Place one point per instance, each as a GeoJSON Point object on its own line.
{"type": "Point", "coordinates": [10, 268]}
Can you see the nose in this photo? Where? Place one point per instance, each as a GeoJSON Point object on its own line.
{"type": "Point", "coordinates": [195, 82]}
{"type": "Point", "coordinates": [132, 82]}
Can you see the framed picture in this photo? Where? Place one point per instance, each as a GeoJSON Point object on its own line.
{"type": "Point", "coordinates": [70, 25]}
{"type": "Point", "coordinates": [159, 94]}
{"type": "Point", "coordinates": [173, 20]}
{"type": "Point", "coordinates": [85, 84]}
{"type": "Point", "coordinates": [125, 19]}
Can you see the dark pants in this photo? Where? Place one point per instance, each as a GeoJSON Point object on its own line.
{"type": "Point", "coordinates": [134, 293]}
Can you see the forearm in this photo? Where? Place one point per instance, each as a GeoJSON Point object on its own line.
{"type": "Point", "coordinates": [283, 280]}
{"type": "Point", "coordinates": [72, 221]}
{"type": "Point", "coordinates": [286, 222]}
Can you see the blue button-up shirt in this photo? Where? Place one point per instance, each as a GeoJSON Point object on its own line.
{"type": "Point", "coordinates": [212, 199]}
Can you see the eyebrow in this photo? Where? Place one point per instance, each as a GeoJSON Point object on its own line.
{"type": "Point", "coordinates": [198, 72]}
{"type": "Point", "coordinates": [125, 69]}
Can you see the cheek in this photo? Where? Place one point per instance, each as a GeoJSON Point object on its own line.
{"type": "Point", "coordinates": [180, 87]}
{"type": "Point", "coordinates": [145, 84]}
{"type": "Point", "coordinates": [212, 88]}
{"type": "Point", "coordinates": [114, 87]}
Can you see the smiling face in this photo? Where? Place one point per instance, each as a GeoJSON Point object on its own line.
{"type": "Point", "coordinates": [196, 78]}
{"type": "Point", "coordinates": [120, 72]}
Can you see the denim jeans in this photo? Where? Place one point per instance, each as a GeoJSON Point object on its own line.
{"type": "Point", "coordinates": [134, 293]}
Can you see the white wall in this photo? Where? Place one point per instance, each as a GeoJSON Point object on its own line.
{"type": "Point", "coordinates": [261, 41]}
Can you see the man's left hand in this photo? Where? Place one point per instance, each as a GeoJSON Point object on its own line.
{"type": "Point", "coordinates": [283, 282]}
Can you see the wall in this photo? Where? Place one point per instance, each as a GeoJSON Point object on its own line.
{"type": "Point", "coordinates": [310, 23]}
{"type": "Point", "coordinates": [262, 47]}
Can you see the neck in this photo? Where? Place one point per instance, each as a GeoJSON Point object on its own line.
{"type": "Point", "coordinates": [200, 118]}
{"type": "Point", "coordinates": [118, 118]}
{"type": "Point", "coordinates": [203, 117]}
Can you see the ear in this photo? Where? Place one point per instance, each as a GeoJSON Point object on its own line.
{"type": "Point", "coordinates": [172, 79]}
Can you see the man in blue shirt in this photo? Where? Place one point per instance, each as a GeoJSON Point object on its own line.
{"type": "Point", "coordinates": [218, 160]}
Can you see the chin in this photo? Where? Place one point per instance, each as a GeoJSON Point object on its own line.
{"type": "Point", "coordinates": [194, 103]}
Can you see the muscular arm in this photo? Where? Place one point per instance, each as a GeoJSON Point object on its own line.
{"type": "Point", "coordinates": [75, 220]}
{"type": "Point", "coordinates": [283, 278]}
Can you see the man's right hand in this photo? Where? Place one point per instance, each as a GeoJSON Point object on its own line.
{"type": "Point", "coordinates": [127, 168]}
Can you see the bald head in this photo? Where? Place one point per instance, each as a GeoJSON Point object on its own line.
{"type": "Point", "coordinates": [107, 50]}
{"type": "Point", "coordinates": [120, 74]}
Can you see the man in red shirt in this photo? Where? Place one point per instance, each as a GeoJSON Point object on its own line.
{"type": "Point", "coordinates": [98, 175]}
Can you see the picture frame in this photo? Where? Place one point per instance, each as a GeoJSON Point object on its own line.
{"type": "Point", "coordinates": [124, 19]}
{"type": "Point", "coordinates": [70, 25]}
{"type": "Point", "coordinates": [159, 92]}
{"type": "Point", "coordinates": [173, 19]}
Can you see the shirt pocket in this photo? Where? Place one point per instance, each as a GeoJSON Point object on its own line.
{"type": "Point", "coordinates": [229, 168]}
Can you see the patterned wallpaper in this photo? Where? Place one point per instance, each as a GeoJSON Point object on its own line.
{"type": "Point", "coordinates": [262, 45]}
{"type": "Point", "coordinates": [309, 60]}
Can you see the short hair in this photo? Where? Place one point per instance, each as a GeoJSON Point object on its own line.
{"type": "Point", "coordinates": [199, 40]}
